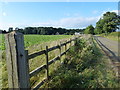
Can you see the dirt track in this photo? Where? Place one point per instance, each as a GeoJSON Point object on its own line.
{"type": "Point", "coordinates": [111, 49]}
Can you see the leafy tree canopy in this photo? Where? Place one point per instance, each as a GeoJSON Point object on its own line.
{"type": "Point", "coordinates": [108, 23]}
{"type": "Point", "coordinates": [89, 30]}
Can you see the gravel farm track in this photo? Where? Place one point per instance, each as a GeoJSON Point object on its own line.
{"type": "Point", "coordinates": [112, 50]}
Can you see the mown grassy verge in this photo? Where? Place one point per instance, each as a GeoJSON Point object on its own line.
{"type": "Point", "coordinates": [113, 36]}
{"type": "Point", "coordinates": [84, 68]}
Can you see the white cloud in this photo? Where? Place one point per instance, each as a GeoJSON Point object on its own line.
{"type": "Point", "coordinates": [5, 26]}
{"type": "Point", "coordinates": [67, 0]}
{"type": "Point", "coordinates": [71, 22]}
{"type": "Point", "coordinates": [4, 14]}
{"type": "Point", "coordinates": [95, 11]}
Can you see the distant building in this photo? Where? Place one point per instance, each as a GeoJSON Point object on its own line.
{"type": "Point", "coordinates": [57, 33]}
{"type": "Point", "coordinates": [76, 33]}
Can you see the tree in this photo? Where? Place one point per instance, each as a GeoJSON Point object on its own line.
{"type": "Point", "coordinates": [89, 30]}
{"type": "Point", "coordinates": [3, 31]}
{"type": "Point", "coordinates": [108, 23]}
{"type": "Point", "coordinates": [42, 31]}
{"type": "Point", "coordinates": [28, 30]}
{"type": "Point", "coordinates": [10, 29]}
{"type": "Point", "coordinates": [45, 30]}
{"type": "Point", "coordinates": [99, 27]}
{"type": "Point", "coordinates": [16, 28]}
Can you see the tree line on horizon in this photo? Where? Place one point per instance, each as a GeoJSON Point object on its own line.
{"type": "Point", "coordinates": [108, 23]}
{"type": "Point", "coordinates": [44, 30]}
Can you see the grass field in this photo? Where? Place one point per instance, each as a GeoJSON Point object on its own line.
{"type": "Point", "coordinates": [30, 40]}
{"type": "Point", "coordinates": [37, 39]}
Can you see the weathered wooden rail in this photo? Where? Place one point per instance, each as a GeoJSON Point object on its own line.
{"type": "Point", "coordinates": [18, 60]}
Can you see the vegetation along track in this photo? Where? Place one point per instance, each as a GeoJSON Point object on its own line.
{"type": "Point", "coordinates": [85, 66]}
{"type": "Point", "coordinates": [111, 49]}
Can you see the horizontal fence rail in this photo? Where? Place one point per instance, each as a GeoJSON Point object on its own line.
{"type": "Point", "coordinates": [36, 54]}
{"type": "Point", "coordinates": [26, 75]}
{"type": "Point", "coordinates": [50, 49]}
{"type": "Point", "coordinates": [37, 70]}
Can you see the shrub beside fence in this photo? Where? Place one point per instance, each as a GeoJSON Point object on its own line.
{"type": "Point", "coordinates": [18, 60]}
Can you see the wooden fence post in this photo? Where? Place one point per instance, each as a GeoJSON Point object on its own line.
{"type": "Point", "coordinates": [27, 67]}
{"type": "Point", "coordinates": [76, 44]}
{"type": "Point", "coordinates": [60, 51]}
{"type": "Point", "coordinates": [70, 42]}
{"type": "Point", "coordinates": [65, 47]}
{"type": "Point", "coordinates": [18, 75]}
{"type": "Point", "coordinates": [47, 67]}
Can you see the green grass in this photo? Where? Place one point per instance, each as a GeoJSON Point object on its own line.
{"type": "Point", "coordinates": [30, 40]}
{"type": "Point", "coordinates": [113, 36]}
{"type": "Point", "coordinates": [84, 68]}
{"type": "Point", "coordinates": [38, 39]}
{"type": "Point", "coordinates": [2, 42]}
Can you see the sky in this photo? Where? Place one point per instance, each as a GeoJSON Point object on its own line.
{"type": "Point", "coordinates": [53, 14]}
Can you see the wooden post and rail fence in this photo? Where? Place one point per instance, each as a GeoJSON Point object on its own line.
{"type": "Point", "coordinates": [18, 60]}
